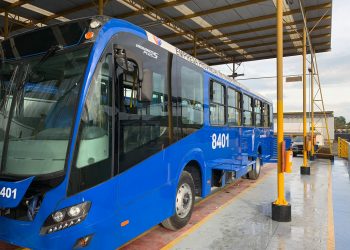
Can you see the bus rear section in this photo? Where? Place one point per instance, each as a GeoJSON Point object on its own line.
{"type": "Point", "coordinates": [109, 131]}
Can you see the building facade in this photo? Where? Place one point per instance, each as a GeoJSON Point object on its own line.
{"type": "Point", "coordinates": [293, 124]}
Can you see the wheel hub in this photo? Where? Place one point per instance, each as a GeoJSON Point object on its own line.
{"type": "Point", "coordinates": [183, 200]}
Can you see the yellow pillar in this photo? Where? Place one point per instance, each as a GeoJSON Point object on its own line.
{"type": "Point", "coordinates": [312, 108]}
{"type": "Point", "coordinates": [305, 169]}
{"type": "Point", "coordinates": [6, 25]}
{"type": "Point", "coordinates": [280, 134]}
{"type": "Point", "coordinates": [281, 210]}
{"type": "Point", "coordinates": [100, 7]}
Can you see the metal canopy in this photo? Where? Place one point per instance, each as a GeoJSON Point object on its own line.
{"type": "Point", "coordinates": [214, 31]}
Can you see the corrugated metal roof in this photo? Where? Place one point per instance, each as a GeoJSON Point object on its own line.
{"type": "Point", "coordinates": [225, 30]}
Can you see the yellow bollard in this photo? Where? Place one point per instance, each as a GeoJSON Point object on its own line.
{"type": "Point", "coordinates": [289, 161]}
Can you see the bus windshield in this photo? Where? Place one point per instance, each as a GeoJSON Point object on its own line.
{"type": "Point", "coordinates": [38, 96]}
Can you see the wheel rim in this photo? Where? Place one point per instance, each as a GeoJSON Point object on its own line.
{"type": "Point", "coordinates": [257, 165]}
{"type": "Point", "coordinates": [183, 200]}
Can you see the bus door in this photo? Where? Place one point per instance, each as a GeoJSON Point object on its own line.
{"type": "Point", "coordinates": [142, 119]}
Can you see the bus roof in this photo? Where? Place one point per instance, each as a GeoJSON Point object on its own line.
{"type": "Point", "coordinates": [156, 40]}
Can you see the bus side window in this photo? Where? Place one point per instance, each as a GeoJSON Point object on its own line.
{"type": "Point", "coordinates": [266, 115]}
{"type": "Point", "coordinates": [192, 96]}
{"type": "Point", "coordinates": [217, 103]}
{"type": "Point", "coordinates": [258, 116]}
{"type": "Point", "coordinates": [247, 110]}
{"type": "Point", "coordinates": [234, 107]}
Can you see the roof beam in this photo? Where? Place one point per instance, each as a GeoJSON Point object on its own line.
{"type": "Point", "coordinates": [14, 5]}
{"type": "Point", "coordinates": [257, 52]}
{"type": "Point", "coordinates": [258, 58]}
{"type": "Point", "coordinates": [219, 9]}
{"type": "Point", "coordinates": [157, 6]}
{"type": "Point", "coordinates": [68, 11]}
{"type": "Point", "coordinates": [263, 28]}
{"type": "Point", "coordinates": [176, 27]}
{"type": "Point", "coordinates": [65, 12]}
{"type": "Point", "coordinates": [257, 38]}
{"type": "Point", "coordinates": [13, 18]}
{"type": "Point", "coordinates": [88, 5]}
{"type": "Point", "coordinates": [251, 20]}
{"type": "Point", "coordinates": [270, 36]}
{"type": "Point", "coordinates": [267, 44]}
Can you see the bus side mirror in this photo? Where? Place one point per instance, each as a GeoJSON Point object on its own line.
{"type": "Point", "coordinates": [147, 86]}
{"type": "Point", "coordinates": [126, 58]}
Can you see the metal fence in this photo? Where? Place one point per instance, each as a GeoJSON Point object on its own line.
{"type": "Point", "coordinates": [343, 148]}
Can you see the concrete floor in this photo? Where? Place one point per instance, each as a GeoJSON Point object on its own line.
{"type": "Point", "coordinates": [341, 204]}
{"type": "Point", "coordinates": [246, 222]}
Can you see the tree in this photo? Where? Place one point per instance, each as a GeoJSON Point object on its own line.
{"type": "Point", "coordinates": [339, 122]}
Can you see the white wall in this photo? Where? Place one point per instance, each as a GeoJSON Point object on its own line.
{"type": "Point", "coordinates": [294, 125]}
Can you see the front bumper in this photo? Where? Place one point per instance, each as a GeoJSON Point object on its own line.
{"type": "Point", "coordinates": [27, 234]}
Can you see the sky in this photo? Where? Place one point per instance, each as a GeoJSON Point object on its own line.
{"type": "Point", "coordinates": [334, 69]}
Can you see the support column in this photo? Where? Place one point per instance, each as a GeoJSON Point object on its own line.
{"type": "Point", "coordinates": [6, 25]}
{"type": "Point", "coordinates": [281, 209]}
{"type": "Point", "coordinates": [195, 46]}
{"type": "Point", "coordinates": [312, 156]}
{"type": "Point", "coordinates": [100, 7]}
{"type": "Point", "coordinates": [304, 169]}
{"type": "Point", "coordinates": [233, 70]}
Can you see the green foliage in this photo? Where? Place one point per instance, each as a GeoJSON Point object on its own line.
{"type": "Point", "coordinates": [340, 122]}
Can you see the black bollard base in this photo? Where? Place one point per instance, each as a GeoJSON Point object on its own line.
{"type": "Point", "coordinates": [304, 170]}
{"type": "Point", "coordinates": [281, 213]}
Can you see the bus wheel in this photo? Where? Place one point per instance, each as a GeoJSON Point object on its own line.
{"type": "Point", "coordinates": [255, 172]}
{"type": "Point", "coordinates": [183, 204]}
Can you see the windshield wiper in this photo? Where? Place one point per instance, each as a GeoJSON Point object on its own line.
{"type": "Point", "coordinates": [50, 52]}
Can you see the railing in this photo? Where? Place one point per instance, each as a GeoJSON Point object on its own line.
{"type": "Point", "coordinates": [343, 148]}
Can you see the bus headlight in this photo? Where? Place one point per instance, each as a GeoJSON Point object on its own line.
{"type": "Point", "coordinates": [58, 216]}
{"type": "Point", "coordinates": [74, 211]}
{"type": "Point", "coordinates": [65, 218]}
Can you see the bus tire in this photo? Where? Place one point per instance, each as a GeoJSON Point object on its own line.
{"type": "Point", "coordinates": [255, 172]}
{"type": "Point", "coordinates": [184, 203]}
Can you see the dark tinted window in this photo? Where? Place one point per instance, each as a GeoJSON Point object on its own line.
{"type": "Point", "coordinates": [234, 109]}
{"type": "Point", "coordinates": [39, 41]}
{"type": "Point", "coordinates": [217, 103]}
{"type": "Point", "coordinates": [143, 122]}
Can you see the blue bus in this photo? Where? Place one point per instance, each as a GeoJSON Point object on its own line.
{"type": "Point", "coordinates": [107, 131]}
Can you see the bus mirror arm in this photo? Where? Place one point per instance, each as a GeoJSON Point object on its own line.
{"type": "Point", "coordinates": [127, 57]}
{"type": "Point", "coordinates": [144, 77]}
{"type": "Point", "coordinates": [147, 86]}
